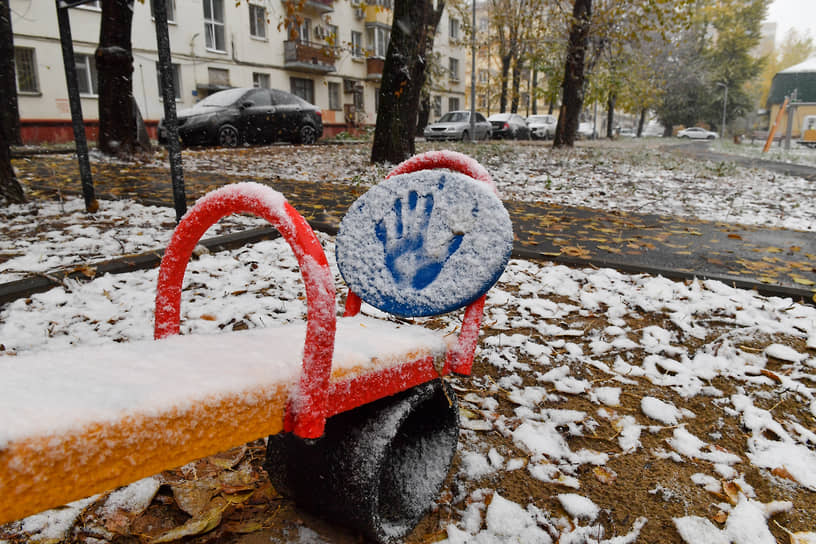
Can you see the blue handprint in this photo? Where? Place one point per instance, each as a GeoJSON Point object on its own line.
{"type": "Point", "coordinates": [410, 257]}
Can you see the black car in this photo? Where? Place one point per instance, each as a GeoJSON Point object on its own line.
{"type": "Point", "coordinates": [509, 126]}
{"type": "Point", "coordinates": [248, 115]}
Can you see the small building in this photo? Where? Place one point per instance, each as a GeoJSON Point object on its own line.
{"type": "Point", "coordinates": [802, 79]}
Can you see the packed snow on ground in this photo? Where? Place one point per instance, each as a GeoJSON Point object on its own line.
{"type": "Point", "coordinates": [259, 286]}
{"type": "Point", "coordinates": [633, 179]}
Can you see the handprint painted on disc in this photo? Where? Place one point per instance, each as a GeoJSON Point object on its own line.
{"type": "Point", "coordinates": [412, 259]}
{"type": "Point", "coordinates": [424, 243]}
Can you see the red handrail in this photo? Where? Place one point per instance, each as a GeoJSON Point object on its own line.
{"type": "Point", "coordinates": [308, 405]}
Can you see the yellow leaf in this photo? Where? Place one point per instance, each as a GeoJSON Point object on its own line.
{"type": "Point", "coordinates": [206, 521]}
{"type": "Point", "coordinates": [773, 250]}
{"type": "Point", "coordinates": [803, 281]}
{"type": "Point", "coordinates": [604, 475]}
{"type": "Point", "coordinates": [208, 317]}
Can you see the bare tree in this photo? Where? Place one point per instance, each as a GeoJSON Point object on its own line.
{"type": "Point", "coordinates": [412, 36]}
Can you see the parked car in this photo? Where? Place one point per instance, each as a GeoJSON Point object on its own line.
{"type": "Point", "coordinates": [455, 125]}
{"type": "Point", "coordinates": [627, 133]}
{"type": "Point", "coordinates": [509, 126]}
{"type": "Point", "coordinates": [697, 133]}
{"type": "Point", "coordinates": [653, 129]}
{"type": "Point", "coordinates": [248, 115]}
{"type": "Point", "coordinates": [542, 126]}
{"type": "Point", "coordinates": [586, 130]}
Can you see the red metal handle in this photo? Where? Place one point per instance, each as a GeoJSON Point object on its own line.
{"type": "Point", "coordinates": [307, 408]}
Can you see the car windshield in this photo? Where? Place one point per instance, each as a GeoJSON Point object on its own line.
{"type": "Point", "coordinates": [221, 99]}
{"type": "Point", "coordinates": [454, 117]}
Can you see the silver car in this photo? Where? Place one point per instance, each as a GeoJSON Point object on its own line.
{"type": "Point", "coordinates": [542, 126]}
{"type": "Point", "coordinates": [697, 133]}
{"type": "Point", "coordinates": [455, 125]}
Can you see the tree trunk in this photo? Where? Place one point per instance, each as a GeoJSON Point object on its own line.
{"type": "Point", "coordinates": [505, 72]}
{"type": "Point", "coordinates": [641, 122]}
{"type": "Point", "coordinates": [412, 35]}
{"type": "Point", "coordinates": [610, 115]}
{"type": "Point", "coordinates": [573, 85]}
{"type": "Point", "coordinates": [10, 188]}
{"type": "Point", "coordinates": [534, 105]}
{"type": "Point", "coordinates": [114, 65]}
{"type": "Point", "coordinates": [9, 112]}
{"type": "Point", "coordinates": [518, 66]}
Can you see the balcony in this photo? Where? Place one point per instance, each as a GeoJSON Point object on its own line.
{"type": "Point", "coordinates": [378, 15]}
{"type": "Point", "coordinates": [318, 7]}
{"type": "Point", "coordinates": [374, 67]}
{"type": "Point", "coordinates": [309, 57]}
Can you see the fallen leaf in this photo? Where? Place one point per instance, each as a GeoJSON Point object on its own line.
{"type": "Point", "coordinates": [732, 491]}
{"type": "Point", "coordinates": [772, 375]}
{"type": "Point", "coordinates": [803, 281]}
{"type": "Point", "coordinates": [208, 317]}
{"type": "Point", "coordinates": [735, 236]}
{"type": "Point", "coordinates": [206, 521]}
{"type": "Point", "coordinates": [782, 472]}
{"type": "Point", "coordinates": [720, 517]}
{"type": "Point", "coordinates": [605, 475]}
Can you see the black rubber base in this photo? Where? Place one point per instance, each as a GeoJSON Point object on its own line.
{"type": "Point", "coordinates": [378, 468]}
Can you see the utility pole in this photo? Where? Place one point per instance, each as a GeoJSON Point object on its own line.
{"type": "Point", "coordinates": [725, 105]}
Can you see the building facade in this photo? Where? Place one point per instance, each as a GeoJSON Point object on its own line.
{"type": "Point", "coordinates": [331, 54]}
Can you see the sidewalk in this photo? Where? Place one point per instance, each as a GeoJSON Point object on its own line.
{"type": "Point", "coordinates": [773, 261]}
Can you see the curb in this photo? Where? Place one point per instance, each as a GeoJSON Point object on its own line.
{"type": "Point", "coordinates": [42, 282]}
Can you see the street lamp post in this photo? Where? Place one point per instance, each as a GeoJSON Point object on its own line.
{"type": "Point", "coordinates": [473, 75]}
{"type": "Point", "coordinates": [725, 105]}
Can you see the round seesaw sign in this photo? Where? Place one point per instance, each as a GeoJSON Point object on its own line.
{"type": "Point", "coordinates": [424, 243]}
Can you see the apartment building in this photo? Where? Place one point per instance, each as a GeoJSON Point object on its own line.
{"type": "Point", "coordinates": [334, 58]}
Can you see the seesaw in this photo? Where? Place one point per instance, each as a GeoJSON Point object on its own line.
{"type": "Point", "coordinates": [361, 429]}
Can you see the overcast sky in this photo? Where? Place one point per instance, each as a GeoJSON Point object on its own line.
{"type": "Point", "coordinates": [787, 14]}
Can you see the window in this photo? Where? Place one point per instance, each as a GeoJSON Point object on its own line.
{"type": "Point", "coordinates": [303, 88]}
{"type": "Point", "coordinates": [359, 101]}
{"type": "Point", "coordinates": [454, 29]}
{"type": "Point", "coordinates": [171, 10]}
{"type": "Point", "coordinates": [218, 77]}
{"type": "Point", "coordinates": [453, 103]}
{"type": "Point", "coordinates": [176, 70]}
{"type": "Point", "coordinates": [86, 74]}
{"type": "Point", "coordinates": [257, 21]}
{"type": "Point", "coordinates": [260, 80]}
{"type": "Point", "coordinates": [214, 33]}
{"type": "Point", "coordinates": [356, 43]}
{"type": "Point", "coordinates": [334, 96]}
{"type": "Point", "coordinates": [483, 25]}
{"type": "Point", "coordinates": [26, 70]}
{"type": "Point", "coordinates": [453, 65]}
{"type": "Point", "coordinates": [332, 37]}
{"type": "Point", "coordinates": [437, 106]}
{"type": "Point", "coordinates": [378, 38]}
{"type": "Point", "coordinates": [305, 31]}
{"type": "Point", "coordinates": [482, 101]}
{"type": "Point", "coordinates": [483, 76]}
